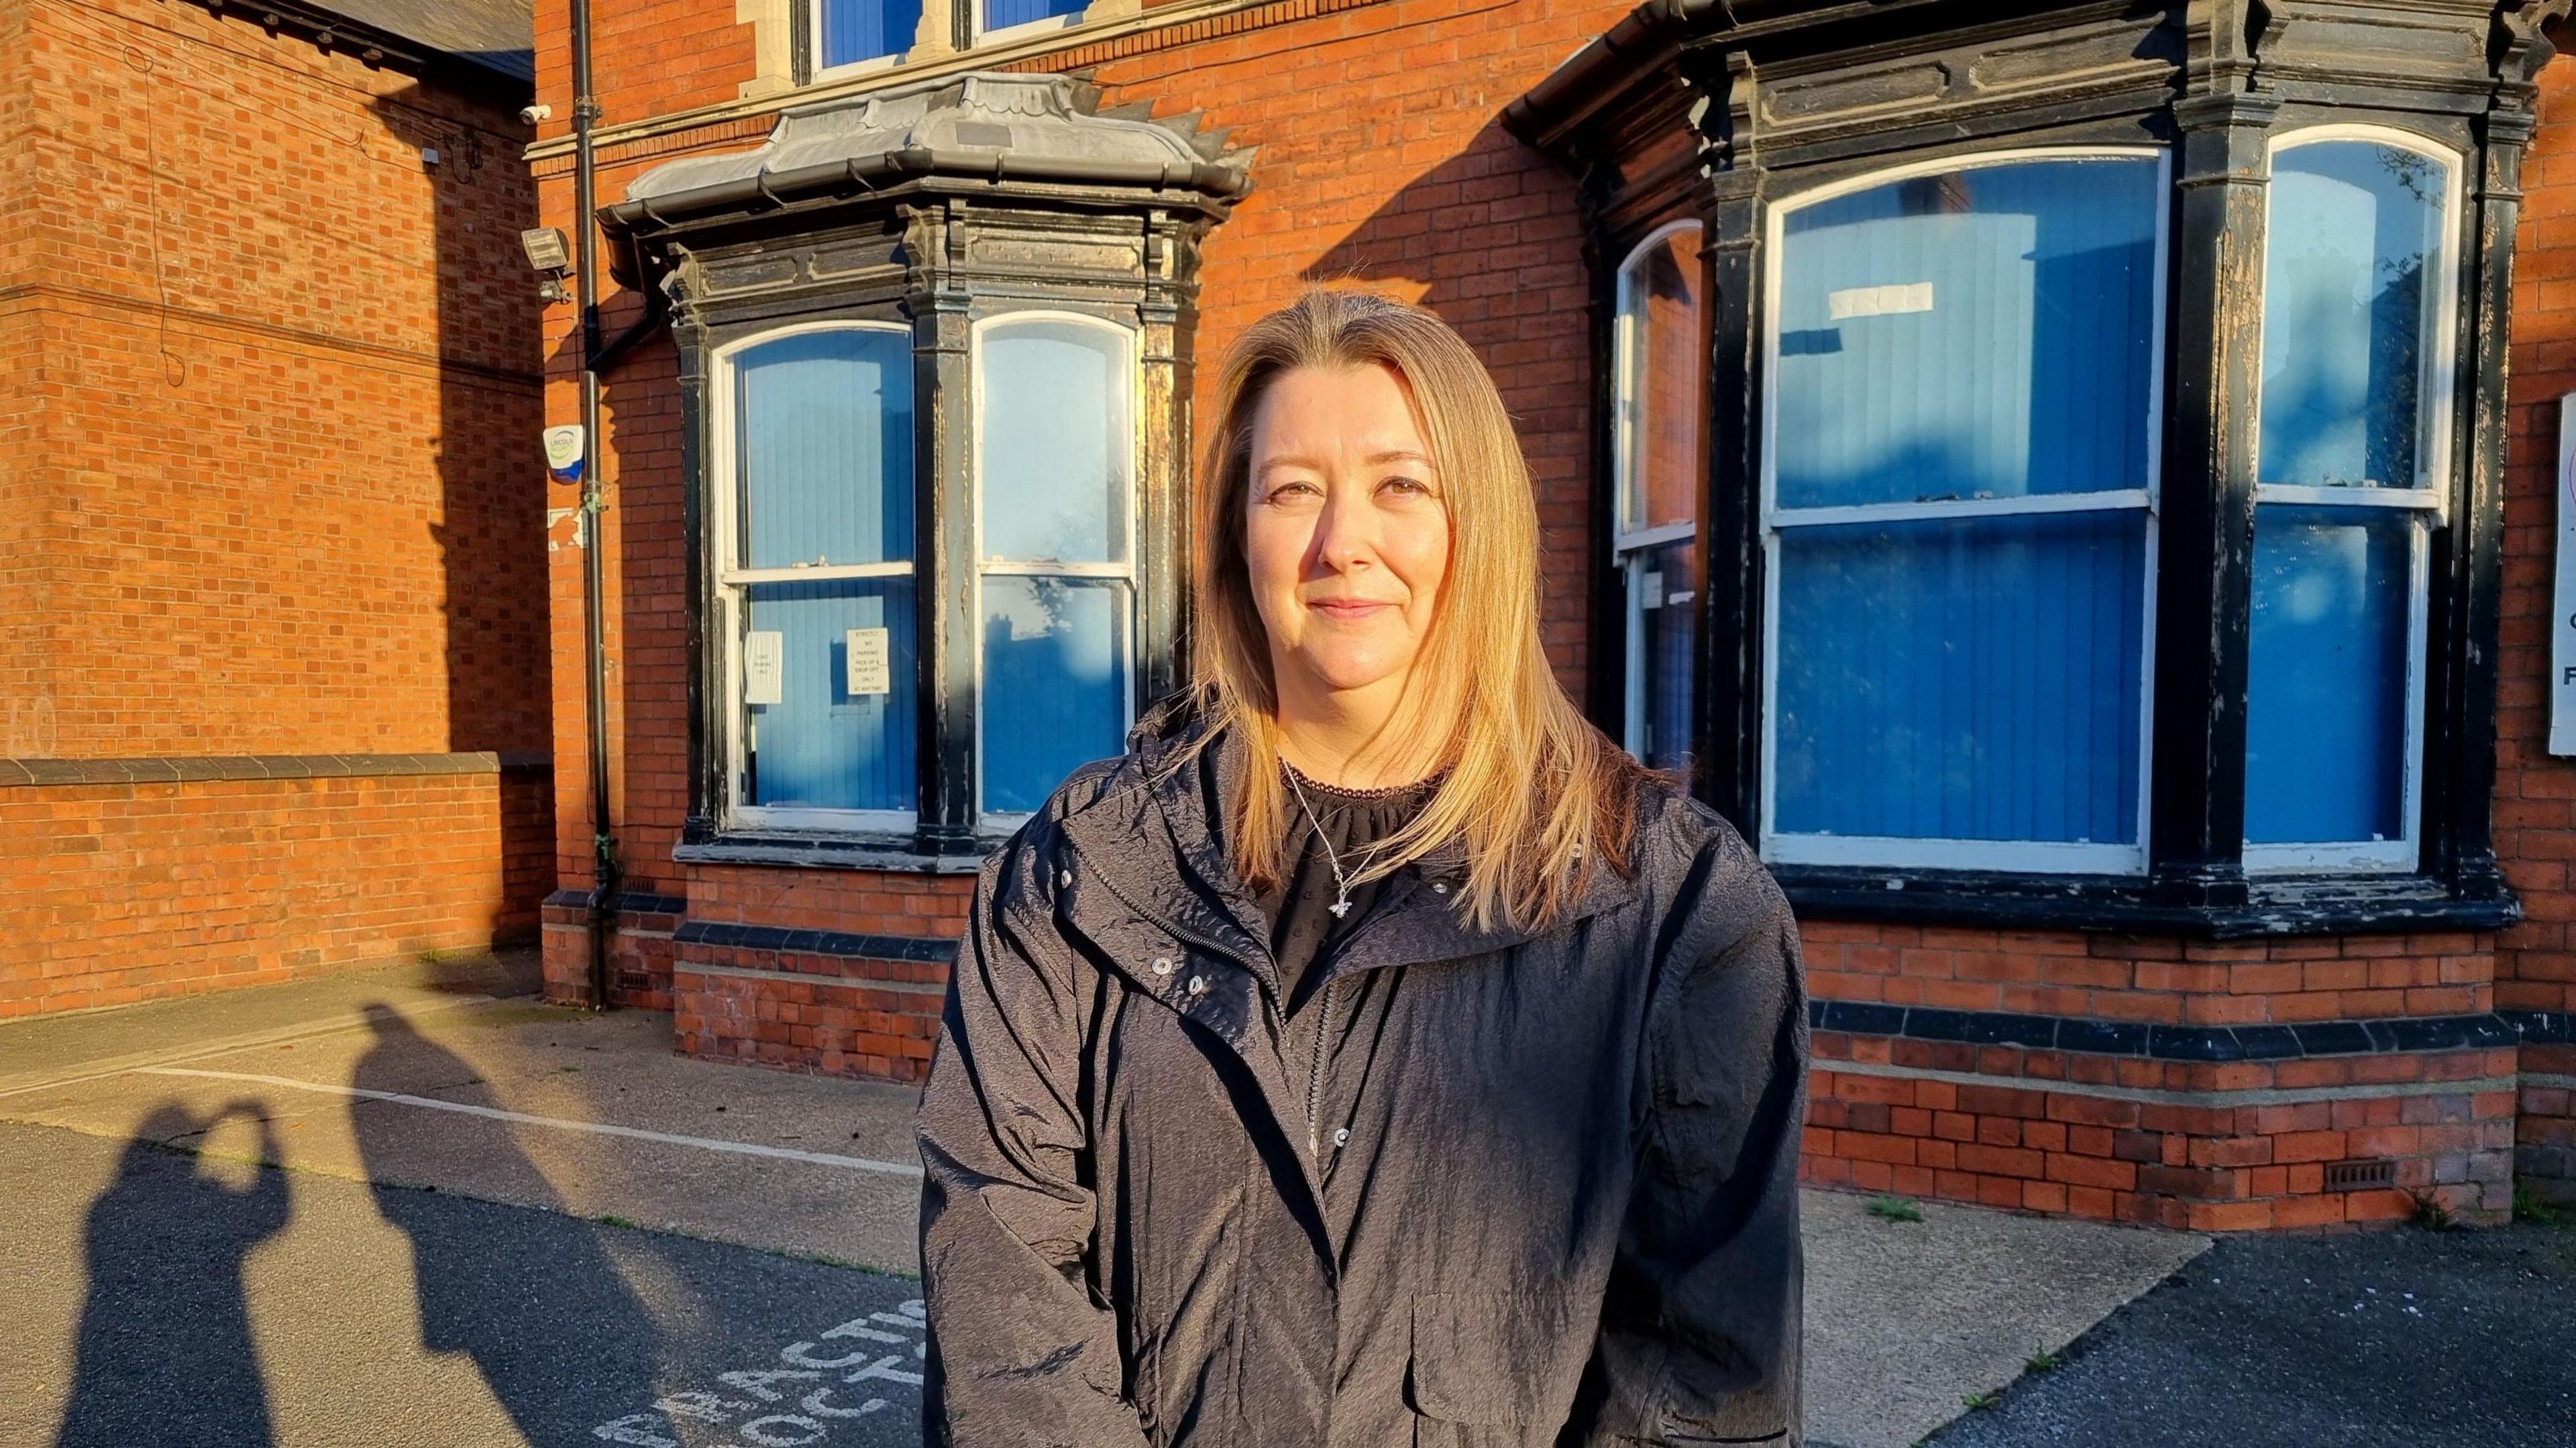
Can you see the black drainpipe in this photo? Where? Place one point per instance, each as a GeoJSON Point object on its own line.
{"type": "Point", "coordinates": [585, 111]}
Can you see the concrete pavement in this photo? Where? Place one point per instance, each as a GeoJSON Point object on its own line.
{"type": "Point", "coordinates": [400, 1197]}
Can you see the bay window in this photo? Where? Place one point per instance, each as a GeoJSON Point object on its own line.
{"type": "Point", "coordinates": [935, 435]}
{"type": "Point", "coordinates": [2102, 418]}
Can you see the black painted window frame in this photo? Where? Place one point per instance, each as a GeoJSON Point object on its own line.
{"type": "Point", "coordinates": [2195, 882]}
{"type": "Point", "coordinates": [949, 824]}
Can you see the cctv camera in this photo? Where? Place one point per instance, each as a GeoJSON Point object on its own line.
{"type": "Point", "coordinates": [534, 114]}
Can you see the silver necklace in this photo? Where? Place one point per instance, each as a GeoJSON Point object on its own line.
{"type": "Point", "coordinates": [1341, 905]}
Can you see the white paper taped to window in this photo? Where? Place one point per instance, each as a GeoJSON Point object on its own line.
{"type": "Point", "coordinates": [764, 668]}
{"type": "Point", "coordinates": [2562, 632]}
{"type": "Point", "coordinates": [1887, 301]}
{"type": "Point", "coordinates": [871, 672]}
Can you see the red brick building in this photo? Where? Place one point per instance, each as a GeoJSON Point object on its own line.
{"type": "Point", "coordinates": [272, 601]}
{"type": "Point", "coordinates": [2072, 481]}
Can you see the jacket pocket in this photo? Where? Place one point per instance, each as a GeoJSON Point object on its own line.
{"type": "Point", "coordinates": [1497, 1357]}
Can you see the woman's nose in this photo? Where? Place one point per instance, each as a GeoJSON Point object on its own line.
{"type": "Point", "coordinates": [1345, 534]}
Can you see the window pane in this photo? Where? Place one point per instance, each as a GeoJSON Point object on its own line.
{"type": "Point", "coordinates": [822, 746]}
{"type": "Point", "coordinates": [856, 30]}
{"type": "Point", "coordinates": [1053, 443]}
{"type": "Point", "coordinates": [2325, 710]}
{"type": "Point", "coordinates": [823, 438]}
{"type": "Point", "coordinates": [1962, 679]}
{"type": "Point", "coordinates": [2348, 292]}
{"type": "Point", "coordinates": [1659, 417]}
{"type": "Point", "coordinates": [1001, 13]}
{"type": "Point", "coordinates": [1055, 683]}
{"type": "Point", "coordinates": [1986, 332]}
{"type": "Point", "coordinates": [1665, 602]}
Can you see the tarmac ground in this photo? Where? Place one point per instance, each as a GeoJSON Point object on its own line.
{"type": "Point", "coordinates": [415, 1205]}
{"type": "Point", "coordinates": [2393, 1339]}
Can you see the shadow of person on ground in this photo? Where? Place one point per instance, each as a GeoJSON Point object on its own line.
{"type": "Point", "coordinates": [552, 1348]}
{"type": "Point", "coordinates": [165, 1352]}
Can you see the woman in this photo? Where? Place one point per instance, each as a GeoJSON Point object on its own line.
{"type": "Point", "coordinates": [1374, 1054]}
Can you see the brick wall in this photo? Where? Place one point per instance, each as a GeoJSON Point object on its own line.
{"type": "Point", "coordinates": [2535, 803]}
{"type": "Point", "coordinates": [271, 395]}
{"type": "Point", "coordinates": [256, 873]}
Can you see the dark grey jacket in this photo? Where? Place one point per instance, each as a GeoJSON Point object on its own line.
{"type": "Point", "coordinates": [1541, 1191]}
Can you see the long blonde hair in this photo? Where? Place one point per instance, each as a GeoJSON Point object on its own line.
{"type": "Point", "coordinates": [1538, 796]}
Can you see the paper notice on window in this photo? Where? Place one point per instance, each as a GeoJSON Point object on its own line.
{"type": "Point", "coordinates": [871, 671]}
{"type": "Point", "coordinates": [2562, 630]}
{"type": "Point", "coordinates": [1650, 591]}
{"type": "Point", "coordinates": [764, 668]}
{"type": "Point", "coordinates": [1886, 301]}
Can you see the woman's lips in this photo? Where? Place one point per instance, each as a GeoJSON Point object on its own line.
{"type": "Point", "coordinates": [1347, 609]}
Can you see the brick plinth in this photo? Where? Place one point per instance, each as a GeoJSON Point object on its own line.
{"type": "Point", "coordinates": [835, 1015]}
{"type": "Point", "coordinates": [2209, 1146]}
{"type": "Point", "coordinates": [2545, 1134]}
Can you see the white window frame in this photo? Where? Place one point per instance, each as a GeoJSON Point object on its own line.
{"type": "Point", "coordinates": [1024, 28]}
{"type": "Point", "coordinates": [1000, 822]}
{"type": "Point", "coordinates": [731, 617]}
{"type": "Point", "coordinates": [1898, 852]}
{"type": "Point", "coordinates": [1629, 548]}
{"type": "Point", "coordinates": [2427, 501]}
{"type": "Point", "coordinates": [847, 68]}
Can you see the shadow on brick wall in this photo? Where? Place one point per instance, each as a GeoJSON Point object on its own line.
{"type": "Point", "coordinates": [489, 526]}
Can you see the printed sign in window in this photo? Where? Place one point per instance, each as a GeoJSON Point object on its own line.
{"type": "Point", "coordinates": [764, 668]}
{"type": "Point", "coordinates": [1892, 300]}
{"type": "Point", "coordinates": [871, 671]}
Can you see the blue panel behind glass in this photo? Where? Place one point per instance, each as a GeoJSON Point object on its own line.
{"type": "Point", "coordinates": [1055, 683]}
{"type": "Point", "coordinates": [1963, 679]}
{"type": "Point", "coordinates": [1001, 13]}
{"type": "Point", "coordinates": [821, 746]}
{"type": "Point", "coordinates": [2029, 373]}
{"type": "Point", "coordinates": [823, 432]}
{"type": "Point", "coordinates": [1665, 655]}
{"type": "Point", "coordinates": [856, 30]}
{"type": "Point", "coordinates": [2354, 228]}
{"type": "Point", "coordinates": [1053, 442]}
{"type": "Point", "coordinates": [2325, 708]}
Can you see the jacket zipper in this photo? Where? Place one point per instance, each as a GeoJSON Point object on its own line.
{"type": "Point", "coordinates": [1315, 1072]}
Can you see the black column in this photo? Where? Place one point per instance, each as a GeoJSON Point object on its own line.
{"type": "Point", "coordinates": [2206, 539]}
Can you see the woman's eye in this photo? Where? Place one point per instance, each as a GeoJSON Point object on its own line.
{"type": "Point", "coordinates": [1411, 487]}
{"type": "Point", "coordinates": [1291, 492]}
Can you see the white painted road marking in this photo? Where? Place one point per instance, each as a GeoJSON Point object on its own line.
{"type": "Point", "coordinates": [636, 1133]}
{"type": "Point", "coordinates": [775, 1429]}
{"type": "Point", "coordinates": [303, 1031]}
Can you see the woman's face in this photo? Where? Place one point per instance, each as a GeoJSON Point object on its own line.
{"type": "Point", "coordinates": [1346, 533]}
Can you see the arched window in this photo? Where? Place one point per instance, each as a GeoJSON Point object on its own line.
{"type": "Point", "coordinates": [1958, 517]}
{"type": "Point", "coordinates": [2353, 470]}
{"type": "Point", "coordinates": [813, 552]}
{"type": "Point", "coordinates": [1055, 467]}
{"type": "Point", "coordinates": [1661, 363]}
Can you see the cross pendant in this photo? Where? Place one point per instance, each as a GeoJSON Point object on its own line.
{"type": "Point", "coordinates": [1340, 908]}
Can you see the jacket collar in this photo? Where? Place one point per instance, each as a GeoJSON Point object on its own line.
{"type": "Point", "coordinates": [1158, 842]}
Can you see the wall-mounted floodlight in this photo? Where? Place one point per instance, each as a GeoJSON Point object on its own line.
{"type": "Point", "coordinates": [550, 257]}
